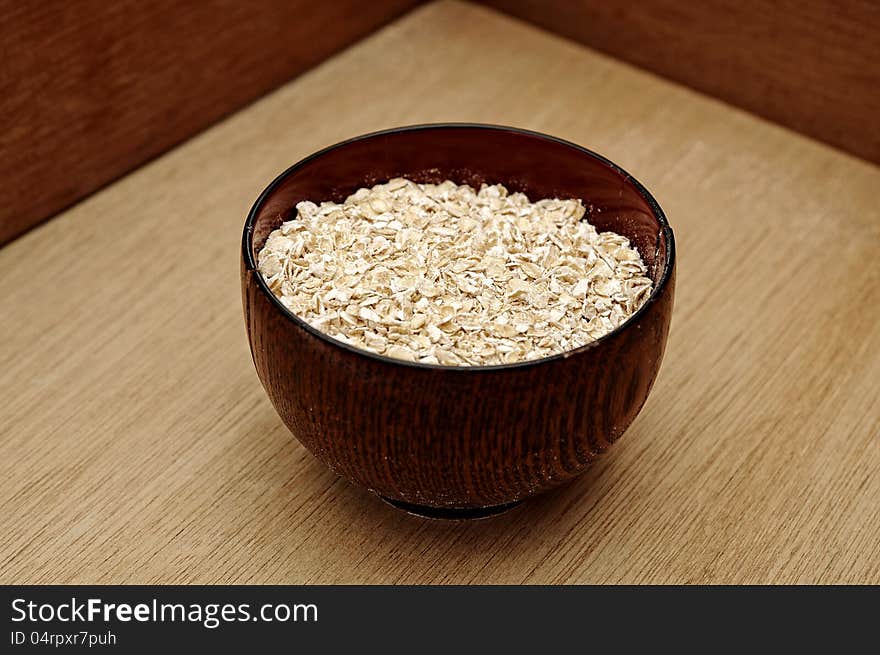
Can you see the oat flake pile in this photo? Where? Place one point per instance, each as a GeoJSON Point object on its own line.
{"type": "Point", "coordinates": [444, 274]}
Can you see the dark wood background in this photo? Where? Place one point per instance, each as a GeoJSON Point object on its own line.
{"type": "Point", "coordinates": [811, 65]}
{"type": "Point", "coordinates": [91, 89]}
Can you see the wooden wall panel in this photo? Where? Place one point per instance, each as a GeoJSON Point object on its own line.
{"type": "Point", "coordinates": [812, 65]}
{"type": "Point", "coordinates": [91, 89]}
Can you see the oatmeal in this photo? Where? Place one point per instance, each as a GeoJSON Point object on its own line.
{"type": "Point", "coordinates": [446, 274]}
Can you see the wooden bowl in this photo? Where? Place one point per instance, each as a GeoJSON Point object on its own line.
{"type": "Point", "coordinates": [459, 441]}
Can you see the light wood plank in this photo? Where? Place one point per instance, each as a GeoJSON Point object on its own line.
{"type": "Point", "coordinates": [138, 446]}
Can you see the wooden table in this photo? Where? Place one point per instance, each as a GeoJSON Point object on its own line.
{"type": "Point", "coordinates": [138, 446]}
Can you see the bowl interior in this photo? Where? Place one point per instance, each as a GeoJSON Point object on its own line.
{"type": "Point", "coordinates": [535, 164]}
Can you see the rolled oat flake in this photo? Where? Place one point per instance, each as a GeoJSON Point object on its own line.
{"type": "Point", "coordinates": [445, 274]}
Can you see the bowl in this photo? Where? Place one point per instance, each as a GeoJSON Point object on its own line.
{"type": "Point", "coordinates": [449, 441]}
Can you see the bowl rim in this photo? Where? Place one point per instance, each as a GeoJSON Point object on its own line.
{"type": "Point", "coordinates": [251, 264]}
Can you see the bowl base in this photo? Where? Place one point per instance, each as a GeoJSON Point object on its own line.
{"type": "Point", "coordinates": [450, 513]}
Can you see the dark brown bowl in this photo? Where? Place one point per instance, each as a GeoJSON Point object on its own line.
{"type": "Point", "coordinates": [459, 440]}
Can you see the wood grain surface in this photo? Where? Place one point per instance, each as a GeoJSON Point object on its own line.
{"type": "Point", "coordinates": [91, 89]}
{"type": "Point", "coordinates": [138, 445]}
{"type": "Point", "coordinates": [811, 65]}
